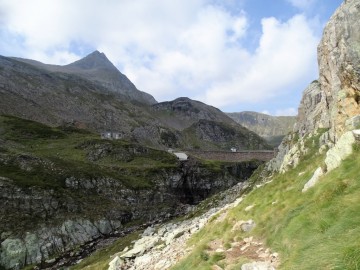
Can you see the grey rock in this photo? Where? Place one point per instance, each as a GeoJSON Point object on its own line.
{"type": "Point", "coordinates": [313, 113]}
{"type": "Point", "coordinates": [115, 263]}
{"type": "Point", "coordinates": [353, 123]}
{"type": "Point", "coordinates": [339, 66]}
{"type": "Point", "coordinates": [257, 266]}
{"type": "Point", "coordinates": [313, 180]}
{"type": "Point", "coordinates": [104, 226]}
{"type": "Point", "coordinates": [13, 254]}
{"type": "Point", "coordinates": [33, 252]}
{"type": "Point", "coordinates": [333, 100]}
{"type": "Point", "coordinates": [248, 225]}
{"type": "Point", "coordinates": [149, 231]}
{"type": "Point", "coordinates": [342, 149]}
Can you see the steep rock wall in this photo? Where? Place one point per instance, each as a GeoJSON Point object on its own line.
{"type": "Point", "coordinates": [333, 101]}
{"type": "Point", "coordinates": [335, 97]}
{"type": "Point", "coordinates": [38, 223]}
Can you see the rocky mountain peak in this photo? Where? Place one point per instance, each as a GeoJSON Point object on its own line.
{"type": "Point", "coordinates": [95, 60]}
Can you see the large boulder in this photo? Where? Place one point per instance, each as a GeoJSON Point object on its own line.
{"type": "Point", "coordinates": [342, 149]}
{"type": "Point", "coordinates": [13, 254]}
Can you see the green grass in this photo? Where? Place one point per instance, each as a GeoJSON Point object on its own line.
{"type": "Point", "coordinates": [318, 229]}
{"type": "Point", "coordinates": [54, 154]}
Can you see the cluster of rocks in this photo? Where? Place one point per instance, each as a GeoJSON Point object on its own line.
{"type": "Point", "coordinates": [162, 247]}
{"type": "Point", "coordinates": [36, 247]}
{"type": "Point", "coordinates": [334, 156]}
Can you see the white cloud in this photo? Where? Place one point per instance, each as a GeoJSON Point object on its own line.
{"type": "Point", "coordinates": [286, 112]}
{"type": "Point", "coordinates": [167, 48]}
{"type": "Point", "coordinates": [302, 4]}
{"type": "Point", "coordinates": [285, 56]}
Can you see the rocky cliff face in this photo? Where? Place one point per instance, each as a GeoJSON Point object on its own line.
{"type": "Point", "coordinates": [64, 219]}
{"type": "Point", "coordinates": [333, 100]}
{"type": "Point", "coordinates": [330, 105]}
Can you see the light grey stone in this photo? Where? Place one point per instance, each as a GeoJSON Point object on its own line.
{"type": "Point", "coordinates": [353, 123]}
{"type": "Point", "coordinates": [115, 263]}
{"type": "Point", "coordinates": [342, 149]}
{"type": "Point", "coordinates": [257, 266]}
{"type": "Point", "coordinates": [314, 179]}
{"type": "Point", "coordinates": [13, 254]}
{"type": "Point", "coordinates": [33, 253]}
{"type": "Point", "coordinates": [149, 231]}
{"type": "Point", "coordinates": [248, 225]}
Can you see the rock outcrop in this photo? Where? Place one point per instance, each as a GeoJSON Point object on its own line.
{"type": "Point", "coordinates": [332, 102]}
{"type": "Point", "coordinates": [65, 216]}
{"type": "Point", "coordinates": [335, 97]}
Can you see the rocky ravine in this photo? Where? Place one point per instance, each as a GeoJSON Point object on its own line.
{"type": "Point", "coordinates": [38, 223]}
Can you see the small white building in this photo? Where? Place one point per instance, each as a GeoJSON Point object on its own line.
{"type": "Point", "coordinates": [233, 149]}
{"type": "Point", "coordinates": [181, 156]}
{"type": "Point", "coordinates": [111, 135]}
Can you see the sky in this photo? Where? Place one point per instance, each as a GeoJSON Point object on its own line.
{"type": "Point", "coordinates": [237, 55]}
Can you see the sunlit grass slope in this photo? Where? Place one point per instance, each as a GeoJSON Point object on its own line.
{"type": "Point", "coordinates": [318, 229]}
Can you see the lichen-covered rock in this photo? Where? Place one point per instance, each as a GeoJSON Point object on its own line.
{"type": "Point", "coordinates": [13, 254]}
{"type": "Point", "coordinates": [33, 251]}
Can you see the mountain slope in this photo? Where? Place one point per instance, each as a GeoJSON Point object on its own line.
{"type": "Point", "coordinates": [272, 128]}
{"type": "Point", "coordinates": [182, 112]}
{"type": "Point", "coordinates": [91, 93]}
{"type": "Point", "coordinates": [97, 68]}
{"type": "Point", "coordinates": [62, 188]}
{"type": "Point", "coordinates": [205, 127]}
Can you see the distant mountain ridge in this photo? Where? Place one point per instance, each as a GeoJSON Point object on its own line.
{"type": "Point", "coordinates": [91, 93]}
{"type": "Point", "coordinates": [272, 128]}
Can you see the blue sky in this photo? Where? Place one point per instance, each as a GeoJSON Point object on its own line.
{"type": "Point", "coordinates": [236, 55]}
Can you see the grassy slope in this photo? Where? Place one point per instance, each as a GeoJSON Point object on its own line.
{"type": "Point", "coordinates": [319, 229]}
{"type": "Point", "coordinates": [64, 152]}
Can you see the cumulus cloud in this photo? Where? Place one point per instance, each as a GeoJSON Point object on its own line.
{"type": "Point", "coordinates": [167, 48]}
{"type": "Point", "coordinates": [285, 53]}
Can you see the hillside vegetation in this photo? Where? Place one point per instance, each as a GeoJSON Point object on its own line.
{"type": "Point", "coordinates": [318, 229]}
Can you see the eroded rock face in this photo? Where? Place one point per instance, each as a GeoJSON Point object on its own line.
{"type": "Point", "coordinates": [332, 101]}
{"type": "Point", "coordinates": [335, 97]}
{"type": "Point", "coordinates": [339, 65]}
{"type": "Point", "coordinates": [68, 217]}
{"type": "Point", "coordinates": [312, 113]}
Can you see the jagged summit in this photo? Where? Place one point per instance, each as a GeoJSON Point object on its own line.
{"type": "Point", "coordinates": [98, 69]}
{"type": "Point", "coordinates": [95, 60]}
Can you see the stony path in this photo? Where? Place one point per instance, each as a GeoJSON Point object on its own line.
{"type": "Point", "coordinates": [161, 248]}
